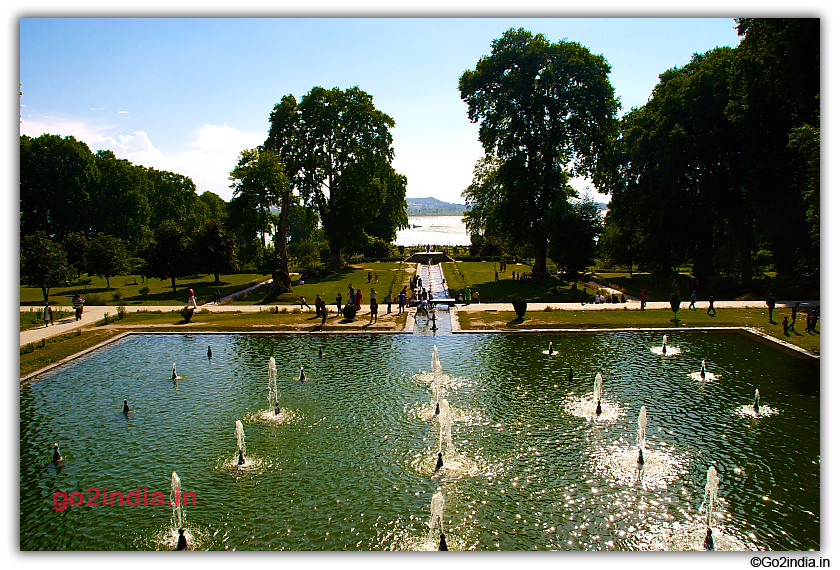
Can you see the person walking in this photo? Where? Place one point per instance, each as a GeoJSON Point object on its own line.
{"type": "Point", "coordinates": [374, 310]}
{"type": "Point", "coordinates": [388, 300]}
{"type": "Point", "coordinates": [79, 305]}
{"type": "Point", "coordinates": [191, 299]}
{"type": "Point", "coordinates": [644, 297]}
{"type": "Point", "coordinates": [771, 304]}
{"type": "Point", "coordinates": [785, 327]}
{"type": "Point", "coordinates": [692, 300]}
{"type": "Point", "coordinates": [793, 314]}
{"type": "Point", "coordinates": [338, 300]}
{"type": "Point", "coordinates": [711, 310]}
{"type": "Point", "coordinates": [318, 305]}
{"type": "Point", "coordinates": [401, 299]}
{"type": "Point", "coordinates": [48, 316]}
{"type": "Point", "coordinates": [323, 312]}
{"type": "Point", "coordinates": [358, 300]}
{"type": "Point", "coordinates": [303, 302]}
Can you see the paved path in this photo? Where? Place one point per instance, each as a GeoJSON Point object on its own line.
{"type": "Point", "coordinates": [93, 314]}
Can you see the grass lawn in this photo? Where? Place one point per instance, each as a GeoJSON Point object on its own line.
{"type": "Point", "coordinates": [128, 288]}
{"type": "Point", "coordinates": [619, 318]}
{"type": "Point", "coordinates": [480, 275]}
{"type": "Point", "coordinates": [392, 276]}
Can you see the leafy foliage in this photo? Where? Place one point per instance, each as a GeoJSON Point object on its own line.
{"type": "Point", "coordinates": [547, 113]}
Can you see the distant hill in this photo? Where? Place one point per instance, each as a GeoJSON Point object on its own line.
{"type": "Point", "coordinates": [433, 207]}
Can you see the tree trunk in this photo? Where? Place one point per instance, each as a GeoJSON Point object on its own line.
{"type": "Point", "coordinates": [281, 245]}
{"type": "Point", "coordinates": [46, 291]}
{"type": "Point", "coordinates": [108, 281]}
{"type": "Point", "coordinates": [172, 279]}
{"type": "Point", "coordinates": [217, 275]}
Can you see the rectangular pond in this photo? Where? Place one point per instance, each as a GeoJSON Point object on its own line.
{"type": "Point", "coordinates": [350, 464]}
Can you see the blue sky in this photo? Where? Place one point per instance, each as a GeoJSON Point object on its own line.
{"type": "Point", "coordinates": [187, 95]}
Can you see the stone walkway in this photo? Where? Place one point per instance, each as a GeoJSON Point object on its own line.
{"type": "Point", "coordinates": [93, 314]}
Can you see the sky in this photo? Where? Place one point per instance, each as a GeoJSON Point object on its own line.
{"type": "Point", "coordinates": [188, 94]}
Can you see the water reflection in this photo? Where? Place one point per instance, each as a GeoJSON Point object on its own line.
{"type": "Point", "coordinates": [351, 466]}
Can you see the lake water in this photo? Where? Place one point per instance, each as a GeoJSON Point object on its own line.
{"type": "Point", "coordinates": [351, 466]}
{"type": "Point", "coordinates": [440, 230]}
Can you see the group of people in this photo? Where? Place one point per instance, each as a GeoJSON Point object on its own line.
{"type": "Point", "coordinates": [811, 318]}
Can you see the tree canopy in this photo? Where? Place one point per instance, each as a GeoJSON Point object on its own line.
{"type": "Point", "coordinates": [547, 112]}
{"type": "Point", "coordinates": [337, 149]}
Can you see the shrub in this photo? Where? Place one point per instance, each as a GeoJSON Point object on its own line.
{"type": "Point", "coordinates": [519, 305]}
{"type": "Point", "coordinates": [548, 309]}
{"type": "Point", "coordinates": [106, 319]}
{"type": "Point", "coordinates": [121, 312]}
{"type": "Point", "coordinates": [187, 313]}
{"type": "Point", "coordinates": [144, 292]}
{"type": "Point", "coordinates": [116, 295]}
{"type": "Point", "coordinates": [349, 312]}
{"type": "Point", "coordinates": [95, 301]}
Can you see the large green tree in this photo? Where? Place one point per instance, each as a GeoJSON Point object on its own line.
{"type": "Point", "coordinates": [775, 94]}
{"type": "Point", "coordinates": [106, 256]}
{"type": "Point", "coordinates": [677, 192]}
{"type": "Point", "coordinates": [56, 176]}
{"type": "Point", "coordinates": [168, 255]}
{"type": "Point", "coordinates": [119, 204]}
{"type": "Point", "coordinates": [214, 249]}
{"type": "Point", "coordinates": [547, 112]}
{"type": "Point", "coordinates": [337, 149]}
{"type": "Point", "coordinates": [259, 187]}
{"type": "Point", "coordinates": [43, 263]}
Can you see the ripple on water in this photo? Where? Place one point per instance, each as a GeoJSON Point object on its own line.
{"type": "Point", "coordinates": [669, 350]}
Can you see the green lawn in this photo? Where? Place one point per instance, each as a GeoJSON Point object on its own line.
{"type": "Point", "coordinates": [481, 276]}
{"type": "Point", "coordinates": [651, 318]}
{"type": "Point", "coordinates": [392, 276]}
{"type": "Point", "coordinates": [127, 287]}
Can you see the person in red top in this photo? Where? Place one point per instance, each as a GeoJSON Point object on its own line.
{"type": "Point", "coordinates": [358, 299]}
{"type": "Point", "coordinates": [191, 299]}
{"type": "Point", "coordinates": [644, 298]}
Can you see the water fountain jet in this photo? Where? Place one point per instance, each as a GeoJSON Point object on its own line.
{"type": "Point", "coordinates": [240, 441]}
{"type": "Point", "coordinates": [755, 402]}
{"type": "Point", "coordinates": [641, 434]}
{"type": "Point", "coordinates": [597, 392]}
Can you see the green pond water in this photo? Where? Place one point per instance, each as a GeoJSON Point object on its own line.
{"type": "Point", "coordinates": [351, 464]}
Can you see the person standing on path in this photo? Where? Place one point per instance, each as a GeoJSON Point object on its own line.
{"type": "Point", "coordinates": [771, 304]}
{"type": "Point", "coordinates": [374, 310]}
{"type": "Point", "coordinates": [402, 301]}
{"type": "Point", "coordinates": [338, 302]}
{"type": "Point", "coordinates": [323, 312]}
{"type": "Point", "coordinates": [692, 300]}
{"type": "Point", "coordinates": [358, 300]}
{"type": "Point", "coordinates": [389, 299]}
{"type": "Point", "coordinates": [318, 305]}
{"type": "Point", "coordinates": [47, 314]}
{"type": "Point", "coordinates": [644, 298]}
{"type": "Point", "coordinates": [793, 313]}
{"type": "Point", "coordinates": [711, 310]}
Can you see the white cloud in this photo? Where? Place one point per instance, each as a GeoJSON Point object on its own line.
{"type": "Point", "coordinates": [122, 112]}
{"type": "Point", "coordinates": [213, 149]}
